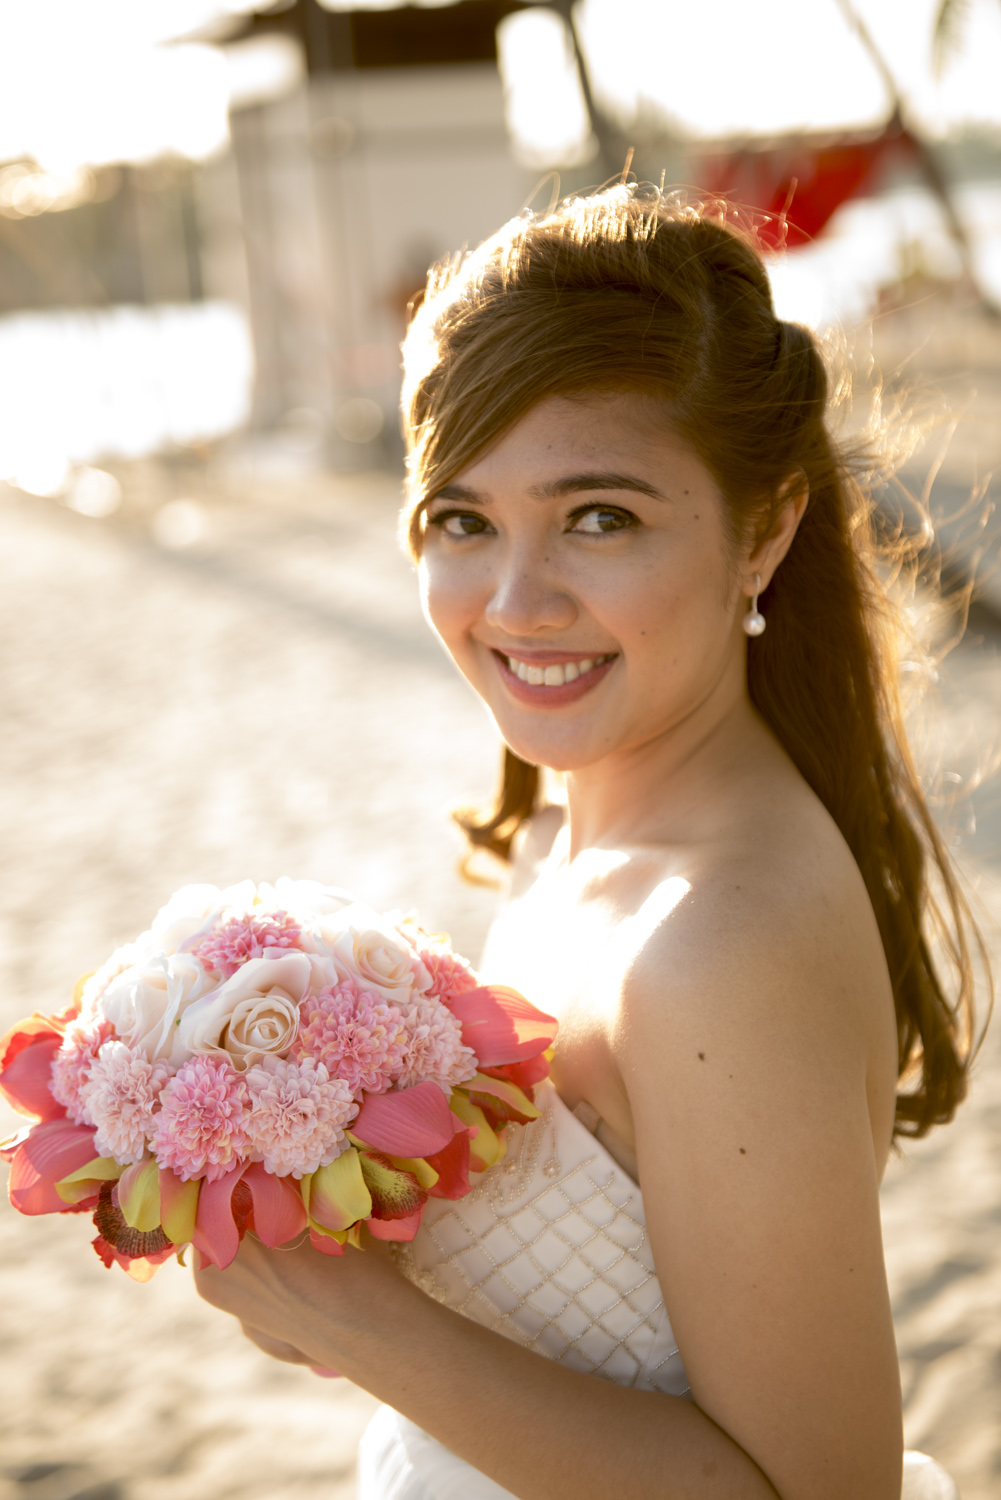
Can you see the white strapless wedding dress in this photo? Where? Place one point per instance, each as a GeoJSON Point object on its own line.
{"type": "Point", "coordinates": [551, 1250]}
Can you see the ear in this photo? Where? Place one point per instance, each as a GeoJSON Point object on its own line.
{"type": "Point", "coordinates": [770, 549]}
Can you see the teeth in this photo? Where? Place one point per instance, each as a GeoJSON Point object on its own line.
{"type": "Point", "coordinates": [556, 675]}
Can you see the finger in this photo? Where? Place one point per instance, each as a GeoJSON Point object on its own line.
{"type": "Point", "coordinates": [274, 1348]}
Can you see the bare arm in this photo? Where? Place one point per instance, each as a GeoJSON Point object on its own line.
{"type": "Point", "coordinates": [760, 1185]}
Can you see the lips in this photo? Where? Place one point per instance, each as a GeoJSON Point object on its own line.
{"type": "Point", "coordinates": [550, 678]}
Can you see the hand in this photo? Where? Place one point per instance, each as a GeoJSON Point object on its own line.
{"type": "Point", "coordinates": [275, 1348]}
{"type": "Point", "coordinates": [301, 1306]}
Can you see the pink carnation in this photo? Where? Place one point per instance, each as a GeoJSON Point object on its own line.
{"type": "Point", "coordinates": [121, 1096]}
{"type": "Point", "coordinates": [434, 1047]}
{"type": "Point", "coordinates": [72, 1064]}
{"type": "Point", "coordinates": [356, 1035]}
{"type": "Point", "coordinates": [450, 974]}
{"type": "Point", "coordinates": [248, 935]}
{"type": "Point", "coordinates": [298, 1115]}
{"type": "Point", "coordinates": [201, 1129]}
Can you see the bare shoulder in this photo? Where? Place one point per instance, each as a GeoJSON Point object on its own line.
{"type": "Point", "coordinates": [768, 967]}
{"type": "Point", "coordinates": [758, 1052]}
{"type": "Point", "coordinates": [534, 844]}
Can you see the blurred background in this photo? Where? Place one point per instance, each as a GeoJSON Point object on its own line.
{"type": "Point", "coordinates": [212, 664]}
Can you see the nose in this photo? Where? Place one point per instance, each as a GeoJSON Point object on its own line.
{"type": "Point", "coordinates": [527, 598]}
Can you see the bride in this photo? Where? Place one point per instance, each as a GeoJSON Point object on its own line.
{"type": "Point", "coordinates": [641, 547]}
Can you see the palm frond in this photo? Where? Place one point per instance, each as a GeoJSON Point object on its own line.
{"type": "Point", "coordinates": [948, 29]}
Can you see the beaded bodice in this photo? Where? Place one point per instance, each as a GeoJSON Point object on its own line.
{"type": "Point", "coordinates": [551, 1249]}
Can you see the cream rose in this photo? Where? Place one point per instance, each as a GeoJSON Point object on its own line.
{"type": "Point", "coordinates": [376, 956]}
{"type": "Point", "coordinates": [255, 1014]}
{"type": "Point", "coordinates": [146, 1002]}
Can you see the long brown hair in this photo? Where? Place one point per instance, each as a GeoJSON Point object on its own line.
{"type": "Point", "coordinates": [630, 289]}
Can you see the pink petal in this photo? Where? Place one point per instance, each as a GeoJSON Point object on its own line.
{"type": "Point", "coordinates": [216, 1235]}
{"type": "Point", "coordinates": [452, 1165]}
{"type": "Point", "coordinates": [409, 1122]}
{"type": "Point", "coordinates": [396, 1229]}
{"type": "Point", "coordinates": [524, 1074]}
{"type": "Point", "coordinates": [279, 1214]}
{"type": "Point", "coordinates": [53, 1150]}
{"type": "Point", "coordinates": [23, 1033]}
{"type": "Point", "coordinates": [24, 1081]}
{"type": "Point", "coordinates": [325, 1243]}
{"type": "Point", "coordinates": [500, 1025]}
{"type": "Point", "coordinates": [502, 1098]}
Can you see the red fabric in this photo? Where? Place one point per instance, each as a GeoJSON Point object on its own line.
{"type": "Point", "coordinates": [812, 182]}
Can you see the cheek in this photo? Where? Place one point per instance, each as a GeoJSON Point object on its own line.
{"type": "Point", "coordinates": [449, 599]}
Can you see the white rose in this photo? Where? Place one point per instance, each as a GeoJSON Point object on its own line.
{"type": "Point", "coordinates": [306, 898]}
{"type": "Point", "coordinates": [193, 911]}
{"type": "Point", "coordinates": [145, 1003]}
{"type": "Point", "coordinates": [368, 950]}
{"type": "Point", "coordinates": [254, 1014]}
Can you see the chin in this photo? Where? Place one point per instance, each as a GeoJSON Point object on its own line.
{"type": "Point", "coordinates": [542, 752]}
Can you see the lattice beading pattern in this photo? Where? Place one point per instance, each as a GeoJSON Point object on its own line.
{"type": "Point", "coordinates": [553, 1259]}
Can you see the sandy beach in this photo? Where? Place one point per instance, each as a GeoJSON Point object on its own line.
{"type": "Point", "coordinates": [268, 701]}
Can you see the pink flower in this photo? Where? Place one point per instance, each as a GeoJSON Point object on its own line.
{"type": "Point", "coordinates": [121, 1095]}
{"type": "Point", "coordinates": [450, 974]}
{"type": "Point", "coordinates": [298, 1115]}
{"type": "Point", "coordinates": [434, 1048]}
{"type": "Point", "coordinates": [72, 1064]}
{"type": "Point", "coordinates": [201, 1129]}
{"type": "Point", "coordinates": [244, 936]}
{"type": "Point", "coordinates": [354, 1034]}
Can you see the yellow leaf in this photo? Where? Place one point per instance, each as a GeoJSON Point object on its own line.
{"type": "Point", "coordinates": [336, 1196]}
{"type": "Point", "coordinates": [179, 1207]}
{"type": "Point", "coordinates": [139, 1195]}
{"type": "Point", "coordinates": [422, 1170]}
{"type": "Point", "coordinates": [83, 1183]}
{"type": "Point", "coordinates": [487, 1147]}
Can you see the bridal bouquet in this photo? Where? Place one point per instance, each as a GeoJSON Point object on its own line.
{"type": "Point", "coordinates": [273, 1058]}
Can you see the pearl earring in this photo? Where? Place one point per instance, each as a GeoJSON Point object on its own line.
{"type": "Point", "coordinates": [754, 622]}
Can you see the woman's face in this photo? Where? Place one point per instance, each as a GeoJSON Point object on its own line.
{"type": "Point", "coordinates": [580, 576]}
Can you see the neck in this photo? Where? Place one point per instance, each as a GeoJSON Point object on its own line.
{"type": "Point", "coordinates": [660, 790]}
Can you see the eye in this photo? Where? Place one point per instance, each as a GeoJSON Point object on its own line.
{"type": "Point", "coordinates": [459, 523]}
{"type": "Point", "coordinates": [599, 520]}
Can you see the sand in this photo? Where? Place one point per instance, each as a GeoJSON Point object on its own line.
{"type": "Point", "coordinates": [268, 701]}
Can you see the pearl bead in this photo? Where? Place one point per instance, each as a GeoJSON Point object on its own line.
{"type": "Point", "coordinates": [754, 623]}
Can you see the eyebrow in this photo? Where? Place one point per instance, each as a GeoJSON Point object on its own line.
{"type": "Point", "coordinates": [552, 489]}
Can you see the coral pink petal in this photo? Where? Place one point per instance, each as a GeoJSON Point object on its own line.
{"type": "Point", "coordinates": [412, 1122]}
{"type": "Point", "coordinates": [325, 1244]}
{"type": "Point", "coordinates": [23, 1035]}
{"type": "Point", "coordinates": [500, 1025]}
{"type": "Point", "coordinates": [279, 1214]}
{"type": "Point", "coordinates": [396, 1229]}
{"type": "Point", "coordinates": [53, 1150]}
{"type": "Point", "coordinates": [524, 1074]}
{"type": "Point", "coordinates": [216, 1235]}
{"type": "Point", "coordinates": [452, 1166]}
{"type": "Point", "coordinates": [24, 1081]}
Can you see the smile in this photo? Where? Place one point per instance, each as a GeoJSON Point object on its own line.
{"type": "Point", "coordinates": [552, 679]}
{"type": "Point", "coordinates": [557, 674]}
